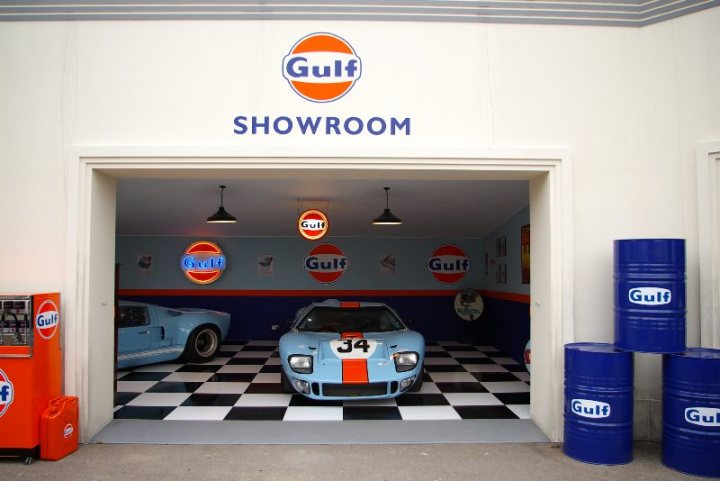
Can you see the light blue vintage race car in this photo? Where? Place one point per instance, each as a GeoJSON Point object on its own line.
{"type": "Point", "coordinates": [148, 333]}
{"type": "Point", "coordinates": [350, 350]}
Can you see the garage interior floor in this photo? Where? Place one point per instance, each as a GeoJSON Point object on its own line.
{"type": "Point", "coordinates": [470, 394]}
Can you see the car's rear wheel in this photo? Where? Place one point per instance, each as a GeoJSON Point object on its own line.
{"type": "Point", "coordinates": [286, 384]}
{"type": "Point", "coordinates": [202, 345]}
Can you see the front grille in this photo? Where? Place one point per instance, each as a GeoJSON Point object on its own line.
{"type": "Point", "coordinates": [355, 390]}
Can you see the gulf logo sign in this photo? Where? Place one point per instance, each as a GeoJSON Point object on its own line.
{"type": "Point", "coordinates": [47, 319]}
{"type": "Point", "coordinates": [448, 264]}
{"type": "Point", "coordinates": [313, 224]}
{"type": "Point", "coordinates": [322, 67]}
{"type": "Point", "coordinates": [203, 262]}
{"type": "Point", "coordinates": [7, 393]}
{"type": "Point", "coordinates": [326, 263]}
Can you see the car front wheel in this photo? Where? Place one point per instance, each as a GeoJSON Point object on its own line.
{"type": "Point", "coordinates": [202, 345]}
{"type": "Point", "coordinates": [286, 385]}
{"type": "Point", "coordinates": [417, 386]}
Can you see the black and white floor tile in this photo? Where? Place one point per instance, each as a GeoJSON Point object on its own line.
{"type": "Point", "coordinates": [243, 383]}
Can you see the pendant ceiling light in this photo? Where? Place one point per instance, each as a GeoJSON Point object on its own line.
{"type": "Point", "coordinates": [387, 217]}
{"type": "Point", "coordinates": [221, 216]}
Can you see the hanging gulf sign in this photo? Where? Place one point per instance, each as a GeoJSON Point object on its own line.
{"type": "Point", "coordinates": [326, 263]}
{"type": "Point", "coordinates": [448, 264]}
{"type": "Point", "coordinates": [313, 224]}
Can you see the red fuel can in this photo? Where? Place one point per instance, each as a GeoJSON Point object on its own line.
{"type": "Point", "coordinates": [59, 428]}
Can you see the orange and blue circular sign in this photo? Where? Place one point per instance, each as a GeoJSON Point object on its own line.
{"type": "Point", "coordinates": [47, 319]}
{"type": "Point", "coordinates": [203, 262]}
{"type": "Point", "coordinates": [313, 224]}
{"type": "Point", "coordinates": [322, 67]}
{"type": "Point", "coordinates": [326, 263]}
{"type": "Point", "coordinates": [448, 264]}
{"type": "Point", "coordinates": [7, 393]}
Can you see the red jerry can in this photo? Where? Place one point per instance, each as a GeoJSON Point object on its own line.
{"type": "Point", "coordinates": [59, 428]}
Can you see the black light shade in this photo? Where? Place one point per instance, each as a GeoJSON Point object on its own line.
{"type": "Point", "coordinates": [387, 217]}
{"type": "Point", "coordinates": [221, 216]}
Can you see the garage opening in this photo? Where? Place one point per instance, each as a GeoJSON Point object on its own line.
{"type": "Point", "coordinates": [467, 377]}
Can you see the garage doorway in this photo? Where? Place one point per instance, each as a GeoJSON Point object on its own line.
{"type": "Point", "coordinates": [89, 344]}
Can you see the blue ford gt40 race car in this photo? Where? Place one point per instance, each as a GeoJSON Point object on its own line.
{"type": "Point", "coordinates": [350, 350]}
{"type": "Point", "coordinates": [148, 333]}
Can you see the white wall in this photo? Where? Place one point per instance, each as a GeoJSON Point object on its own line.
{"type": "Point", "coordinates": [630, 104]}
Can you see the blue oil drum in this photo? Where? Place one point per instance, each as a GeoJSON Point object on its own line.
{"type": "Point", "coordinates": [598, 403]}
{"type": "Point", "coordinates": [691, 412]}
{"type": "Point", "coordinates": [650, 295]}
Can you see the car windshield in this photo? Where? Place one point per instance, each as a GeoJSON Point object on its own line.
{"type": "Point", "coordinates": [338, 319]}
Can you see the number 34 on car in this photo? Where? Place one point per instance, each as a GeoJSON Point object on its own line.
{"type": "Point", "coordinates": [350, 350]}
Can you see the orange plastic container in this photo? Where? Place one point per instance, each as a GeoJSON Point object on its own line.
{"type": "Point", "coordinates": [59, 428]}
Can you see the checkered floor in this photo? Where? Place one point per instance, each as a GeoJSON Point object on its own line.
{"type": "Point", "coordinates": [243, 383]}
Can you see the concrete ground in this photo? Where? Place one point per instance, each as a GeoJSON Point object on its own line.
{"type": "Point", "coordinates": [416, 462]}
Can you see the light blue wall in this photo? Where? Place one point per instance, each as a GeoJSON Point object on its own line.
{"type": "Point", "coordinates": [363, 271]}
{"type": "Point", "coordinates": [510, 229]}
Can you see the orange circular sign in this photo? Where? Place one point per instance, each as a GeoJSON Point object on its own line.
{"type": "Point", "coordinates": [203, 262]}
{"type": "Point", "coordinates": [313, 224]}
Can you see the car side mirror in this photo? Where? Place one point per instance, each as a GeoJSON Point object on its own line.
{"type": "Point", "coordinates": [410, 322]}
{"type": "Point", "coordinates": [288, 322]}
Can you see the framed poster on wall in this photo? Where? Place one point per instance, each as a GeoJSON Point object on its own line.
{"type": "Point", "coordinates": [501, 246]}
{"type": "Point", "coordinates": [525, 253]}
{"type": "Point", "coordinates": [501, 274]}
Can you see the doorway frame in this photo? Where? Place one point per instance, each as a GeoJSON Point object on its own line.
{"type": "Point", "coordinates": [91, 237]}
{"type": "Point", "coordinates": [708, 194]}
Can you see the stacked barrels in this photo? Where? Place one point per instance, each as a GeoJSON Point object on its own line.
{"type": "Point", "coordinates": [650, 317]}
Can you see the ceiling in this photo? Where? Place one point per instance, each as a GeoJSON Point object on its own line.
{"type": "Point", "coordinates": [269, 207]}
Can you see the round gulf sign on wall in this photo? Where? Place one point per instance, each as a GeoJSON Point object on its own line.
{"type": "Point", "coordinates": [326, 263]}
{"type": "Point", "coordinates": [47, 319]}
{"type": "Point", "coordinates": [322, 67]}
{"type": "Point", "coordinates": [313, 224]}
{"type": "Point", "coordinates": [203, 262]}
{"type": "Point", "coordinates": [448, 264]}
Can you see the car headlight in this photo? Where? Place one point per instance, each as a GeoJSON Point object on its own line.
{"type": "Point", "coordinates": [405, 361]}
{"type": "Point", "coordinates": [301, 364]}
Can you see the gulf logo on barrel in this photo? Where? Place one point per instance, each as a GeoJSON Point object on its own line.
{"type": "Point", "coordinates": [47, 319]}
{"type": "Point", "coordinates": [203, 262]}
{"type": "Point", "coordinates": [7, 393]}
{"type": "Point", "coordinates": [313, 224]}
{"type": "Point", "coordinates": [326, 263]}
{"type": "Point", "coordinates": [322, 67]}
{"type": "Point", "coordinates": [448, 264]}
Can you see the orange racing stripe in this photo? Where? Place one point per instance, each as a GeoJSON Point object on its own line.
{"type": "Point", "coordinates": [354, 371]}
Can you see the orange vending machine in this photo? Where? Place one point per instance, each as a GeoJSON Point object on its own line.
{"type": "Point", "coordinates": [30, 369]}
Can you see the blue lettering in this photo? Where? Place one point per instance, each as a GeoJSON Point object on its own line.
{"type": "Point", "coordinates": [376, 120]}
{"type": "Point", "coordinates": [311, 263]}
{"type": "Point", "coordinates": [350, 68]}
{"type": "Point", "coordinates": [301, 71]}
{"type": "Point", "coordinates": [204, 263]}
{"type": "Point", "coordinates": [265, 125]}
{"type": "Point", "coordinates": [399, 126]}
{"type": "Point", "coordinates": [283, 125]}
{"type": "Point", "coordinates": [188, 262]}
{"type": "Point", "coordinates": [307, 122]}
{"type": "Point", "coordinates": [434, 264]}
{"type": "Point", "coordinates": [4, 393]}
{"type": "Point", "coordinates": [240, 124]}
{"type": "Point", "coordinates": [288, 124]}
{"type": "Point", "coordinates": [332, 123]}
{"type": "Point", "coordinates": [325, 72]}
{"type": "Point", "coordinates": [349, 129]}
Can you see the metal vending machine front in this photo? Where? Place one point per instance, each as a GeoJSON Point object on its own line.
{"type": "Point", "coordinates": [30, 368]}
